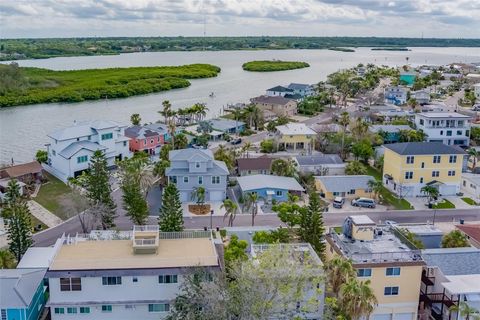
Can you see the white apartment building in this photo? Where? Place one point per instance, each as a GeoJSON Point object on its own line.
{"type": "Point", "coordinates": [70, 149]}
{"type": "Point", "coordinates": [450, 128]}
{"type": "Point", "coordinates": [131, 275]}
{"type": "Point", "coordinates": [476, 89]}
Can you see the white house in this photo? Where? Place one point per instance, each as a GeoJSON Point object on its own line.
{"type": "Point", "coordinates": [127, 275]}
{"type": "Point", "coordinates": [476, 89]}
{"type": "Point", "coordinates": [70, 149]}
{"type": "Point", "coordinates": [421, 96]}
{"type": "Point", "coordinates": [279, 91]}
{"type": "Point", "coordinates": [447, 127]}
{"type": "Point", "coordinates": [396, 95]}
{"type": "Point", "coordinates": [471, 185]}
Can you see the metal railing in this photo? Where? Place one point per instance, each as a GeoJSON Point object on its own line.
{"type": "Point", "coordinates": [185, 234]}
{"type": "Point", "coordinates": [146, 228]}
{"type": "Point", "coordinates": [145, 242]}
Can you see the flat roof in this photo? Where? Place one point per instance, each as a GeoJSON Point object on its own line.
{"type": "Point", "coordinates": [423, 229]}
{"type": "Point", "coordinates": [118, 254]}
{"type": "Point", "coordinates": [293, 128]}
{"type": "Point", "coordinates": [362, 220]}
{"type": "Point", "coordinates": [464, 284]}
{"type": "Point", "coordinates": [442, 115]}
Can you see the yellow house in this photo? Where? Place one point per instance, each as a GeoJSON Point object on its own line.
{"type": "Point", "coordinates": [393, 267]}
{"type": "Point", "coordinates": [343, 186]}
{"type": "Point", "coordinates": [295, 136]}
{"type": "Point", "coordinates": [410, 166]}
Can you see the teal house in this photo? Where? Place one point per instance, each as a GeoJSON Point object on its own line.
{"type": "Point", "coordinates": [22, 294]}
{"type": "Point", "coordinates": [408, 77]}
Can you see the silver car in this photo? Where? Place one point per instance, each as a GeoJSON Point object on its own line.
{"type": "Point", "coordinates": [364, 202]}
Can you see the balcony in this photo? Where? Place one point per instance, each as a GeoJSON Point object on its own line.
{"type": "Point", "coordinates": [145, 239]}
{"type": "Point", "coordinates": [439, 297]}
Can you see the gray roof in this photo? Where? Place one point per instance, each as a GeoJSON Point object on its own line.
{"type": "Point", "coordinates": [83, 129]}
{"type": "Point", "coordinates": [73, 148]}
{"type": "Point", "coordinates": [160, 127]}
{"type": "Point", "coordinates": [219, 168]}
{"type": "Point", "coordinates": [280, 89]}
{"type": "Point", "coordinates": [19, 286]}
{"type": "Point", "coordinates": [318, 159]}
{"type": "Point", "coordinates": [271, 100]}
{"type": "Point", "coordinates": [443, 115]}
{"type": "Point", "coordinates": [344, 183]}
{"type": "Point", "coordinates": [390, 128]}
{"type": "Point", "coordinates": [298, 86]}
{"type": "Point", "coordinates": [225, 124]}
{"type": "Point", "coordinates": [262, 181]}
{"type": "Point", "coordinates": [136, 132]}
{"type": "Point", "coordinates": [454, 261]}
{"type": "Point", "coordinates": [424, 148]}
{"type": "Point", "coordinates": [37, 258]}
{"type": "Point", "coordinates": [190, 154]}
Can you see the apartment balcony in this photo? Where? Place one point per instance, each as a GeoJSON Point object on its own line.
{"type": "Point", "coordinates": [145, 239]}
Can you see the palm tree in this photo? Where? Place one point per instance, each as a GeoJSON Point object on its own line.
{"type": "Point", "coordinates": [159, 170]}
{"type": "Point", "coordinates": [251, 204]}
{"type": "Point", "coordinates": [181, 141]}
{"type": "Point", "coordinates": [284, 168]}
{"type": "Point", "coordinates": [7, 260]}
{"type": "Point", "coordinates": [455, 239]}
{"type": "Point", "coordinates": [200, 110]}
{"type": "Point", "coordinates": [473, 153]}
{"type": "Point", "coordinates": [198, 195]}
{"type": "Point", "coordinates": [171, 128]}
{"type": "Point", "coordinates": [376, 186]}
{"type": "Point", "coordinates": [135, 119]}
{"type": "Point", "coordinates": [230, 211]}
{"type": "Point", "coordinates": [431, 192]}
{"type": "Point", "coordinates": [167, 110]}
{"type": "Point", "coordinates": [403, 135]}
{"type": "Point", "coordinates": [466, 311]}
{"type": "Point", "coordinates": [357, 299]}
{"type": "Point", "coordinates": [246, 147]}
{"type": "Point", "coordinates": [355, 168]}
{"type": "Point", "coordinates": [337, 272]}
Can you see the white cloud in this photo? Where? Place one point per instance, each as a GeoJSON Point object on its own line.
{"type": "Point", "coordinates": [436, 18]}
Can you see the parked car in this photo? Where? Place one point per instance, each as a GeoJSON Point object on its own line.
{"type": "Point", "coordinates": [390, 223]}
{"type": "Point", "coordinates": [236, 141]}
{"type": "Point", "coordinates": [364, 202]}
{"type": "Point", "coordinates": [338, 202]}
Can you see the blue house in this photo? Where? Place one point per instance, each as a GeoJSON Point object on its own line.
{"type": "Point", "coordinates": [22, 294]}
{"type": "Point", "coordinates": [193, 168]}
{"type": "Point", "coordinates": [269, 187]}
{"type": "Point", "coordinates": [227, 125]}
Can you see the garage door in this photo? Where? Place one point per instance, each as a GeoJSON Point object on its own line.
{"type": "Point", "coordinates": [446, 190]}
{"type": "Point", "coordinates": [387, 316]}
{"type": "Point", "coordinates": [216, 195]}
{"type": "Point", "coordinates": [403, 316]}
{"type": "Point", "coordinates": [184, 196]}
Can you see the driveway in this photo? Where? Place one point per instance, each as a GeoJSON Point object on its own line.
{"type": "Point", "coordinates": [347, 207]}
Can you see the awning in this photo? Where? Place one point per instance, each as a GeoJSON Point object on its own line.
{"type": "Point", "coordinates": [434, 183]}
{"type": "Point", "coordinates": [389, 177]}
{"type": "Point", "coordinates": [215, 133]}
{"type": "Point", "coordinates": [270, 192]}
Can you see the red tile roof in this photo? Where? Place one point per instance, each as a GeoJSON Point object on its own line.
{"type": "Point", "coordinates": [260, 163]}
{"type": "Point", "coordinates": [471, 230]}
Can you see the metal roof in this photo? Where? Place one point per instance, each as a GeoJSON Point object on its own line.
{"type": "Point", "coordinates": [345, 183]}
{"type": "Point", "coordinates": [294, 128]}
{"type": "Point", "coordinates": [271, 100]}
{"type": "Point", "coordinates": [190, 154]}
{"type": "Point", "coordinates": [136, 132]}
{"type": "Point", "coordinates": [313, 160]}
{"type": "Point", "coordinates": [18, 286]}
{"type": "Point", "coordinates": [280, 89]}
{"type": "Point", "coordinates": [264, 181]}
{"type": "Point", "coordinates": [443, 115]}
{"type": "Point", "coordinates": [73, 148]}
{"type": "Point", "coordinates": [83, 129]}
{"type": "Point", "coordinates": [298, 86]}
{"type": "Point", "coordinates": [454, 261]}
{"type": "Point", "coordinates": [225, 124]}
{"type": "Point", "coordinates": [423, 148]}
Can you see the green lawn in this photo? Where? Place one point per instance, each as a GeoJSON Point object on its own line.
{"type": "Point", "coordinates": [386, 195]}
{"type": "Point", "coordinates": [51, 194]}
{"type": "Point", "coordinates": [445, 204]}
{"type": "Point", "coordinates": [470, 201]}
{"type": "Point", "coordinates": [36, 222]}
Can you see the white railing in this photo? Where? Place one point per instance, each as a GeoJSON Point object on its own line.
{"type": "Point", "coordinates": [146, 228]}
{"type": "Point", "coordinates": [145, 242]}
{"type": "Point", "coordinates": [185, 234]}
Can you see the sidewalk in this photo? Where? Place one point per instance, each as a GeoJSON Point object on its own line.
{"type": "Point", "coordinates": [42, 214]}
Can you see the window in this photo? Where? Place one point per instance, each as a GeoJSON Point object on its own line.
{"type": "Point", "coordinates": [421, 122]}
{"type": "Point", "coordinates": [200, 180]}
{"type": "Point", "coordinates": [423, 165]}
{"type": "Point", "coordinates": [459, 132]}
{"type": "Point", "coordinates": [3, 314]}
{"type": "Point", "coordinates": [437, 159]}
{"type": "Point", "coordinates": [107, 136]}
{"type": "Point", "coordinates": [421, 179]}
{"type": "Point", "coordinates": [352, 191]}
{"type": "Point", "coordinates": [124, 143]}
{"type": "Point", "coordinates": [134, 279]}
{"type": "Point", "coordinates": [364, 272]}
{"type": "Point", "coordinates": [82, 159]}
{"type": "Point", "coordinates": [152, 141]}
{"type": "Point", "coordinates": [392, 271]}
{"type": "Point", "coordinates": [391, 291]}
{"type": "Point", "coordinates": [410, 159]}
{"type": "Point", "coordinates": [452, 159]}
{"type": "Point", "coordinates": [449, 133]}
{"type": "Point", "coordinates": [441, 132]}
{"type": "Point", "coordinates": [106, 308]}
{"type": "Point", "coordinates": [279, 193]}
{"type": "Point", "coordinates": [409, 175]}
{"type": "Point", "coordinates": [59, 310]}
{"type": "Point", "coordinates": [435, 173]}
{"type": "Point", "coordinates": [71, 310]}
{"type": "Point", "coordinates": [89, 138]}
{"type": "Point", "coordinates": [451, 173]}
{"type": "Point", "coordinates": [145, 142]}
{"type": "Point", "coordinates": [111, 281]}
{"type": "Point", "coordinates": [173, 179]}
{"type": "Point", "coordinates": [84, 309]}
{"type": "Point", "coordinates": [70, 284]}
{"type": "Point", "coordinates": [158, 307]}
{"type": "Point", "coordinates": [467, 133]}
{"type": "Point", "coordinates": [185, 179]}
{"type": "Point", "coordinates": [168, 278]}
{"type": "Point", "coordinates": [197, 164]}
{"type": "Point", "coordinates": [215, 180]}
{"type": "Point", "coordinates": [54, 152]}
{"type": "Point", "coordinates": [335, 193]}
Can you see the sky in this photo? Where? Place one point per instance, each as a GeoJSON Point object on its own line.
{"type": "Point", "coordinates": [382, 18]}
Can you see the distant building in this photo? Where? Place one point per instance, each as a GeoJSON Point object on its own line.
{"type": "Point", "coordinates": [250, 166]}
{"type": "Point", "coordinates": [320, 164]}
{"type": "Point", "coordinates": [145, 139]}
{"type": "Point", "coordinates": [193, 168]}
{"type": "Point", "coordinates": [389, 132]}
{"type": "Point", "coordinates": [380, 254]}
{"type": "Point", "coordinates": [279, 91]}
{"type": "Point", "coordinates": [408, 77]}
{"type": "Point", "coordinates": [269, 187]}
{"type": "Point", "coordinates": [421, 96]}
{"type": "Point", "coordinates": [70, 149]}
{"type": "Point", "coordinates": [396, 95]}
{"type": "Point", "coordinates": [22, 294]}
{"type": "Point", "coordinates": [344, 186]}
{"type": "Point", "coordinates": [279, 105]}
{"type": "Point", "coordinates": [301, 89]}
{"type": "Point", "coordinates": [450, 128]}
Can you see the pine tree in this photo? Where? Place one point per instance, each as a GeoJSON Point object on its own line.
{"type": "Point", "coordinates": [311, 225]}
{"type": "Point", "coordinates": [171, 213]}
{"type": "Point", "coordinates": [134, 203]}
{"type": "Point", "coordinates": [99, 189]}
{"type": "Point", "coordinates": [19, 230]}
